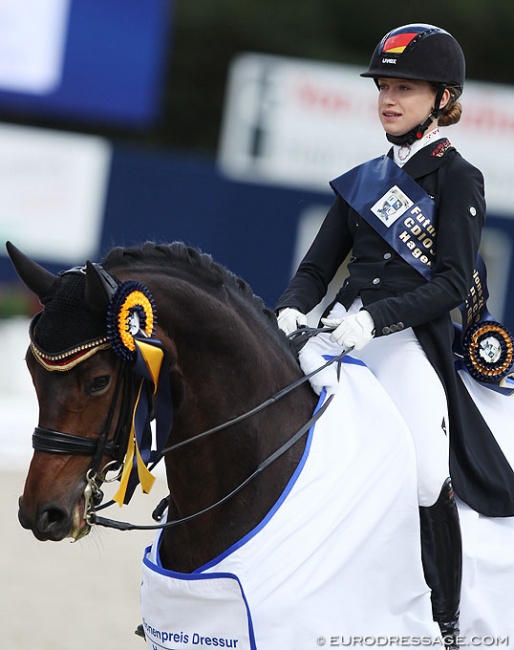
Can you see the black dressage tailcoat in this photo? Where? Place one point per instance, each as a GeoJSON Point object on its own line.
{"type": "Point", "coordinates": [397, 296]}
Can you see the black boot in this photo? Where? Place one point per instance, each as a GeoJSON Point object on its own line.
{"type": "Point", "coordinates": [441, 550]}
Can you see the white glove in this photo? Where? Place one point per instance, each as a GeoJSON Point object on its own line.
{"type": "Point", "coordinates": [354, 331]}
{"type": "Point", "coordinates": [289, 319]}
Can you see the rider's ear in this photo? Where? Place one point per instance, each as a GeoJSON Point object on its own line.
{"type": "Point", "coordinates": [33, 276]}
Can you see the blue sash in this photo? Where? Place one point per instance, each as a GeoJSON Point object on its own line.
{"type": "Point", "coordinates": [404, 214]}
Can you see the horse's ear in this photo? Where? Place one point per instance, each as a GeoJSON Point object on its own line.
{"type": "Point", "coordinates": [98, 290]}
{"type": "Point", "coordinates": [33, 276]}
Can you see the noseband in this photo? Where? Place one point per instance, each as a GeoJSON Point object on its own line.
{"type": "Point", "coordinates": [56, 442]}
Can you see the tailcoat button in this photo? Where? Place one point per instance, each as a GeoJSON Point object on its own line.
{"type": "Point", "coordinates": [376, 281]}
{"type": "Point", "coordinates": [387, 256]}
{"type": "Point", "coordinates": [386, 330]}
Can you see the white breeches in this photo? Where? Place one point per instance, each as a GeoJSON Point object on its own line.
{"type": "Point", "coordinates": [401, 366]}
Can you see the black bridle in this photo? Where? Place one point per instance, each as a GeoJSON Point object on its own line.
{"type": "Point", "coordinates": [56, 442]}
{"type": "Point", "coordinates": [121, 525]}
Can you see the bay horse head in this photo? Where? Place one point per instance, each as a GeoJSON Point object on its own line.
{"type": "Point", "coordinates": [224, 355]}
{"type": "Point", "coordinates": [74, 371]}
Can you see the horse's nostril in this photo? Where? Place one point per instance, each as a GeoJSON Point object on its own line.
{"type": "Point", "coordinates": [22, 517]}
{"type": "Point", "coordinates": [53, 523]}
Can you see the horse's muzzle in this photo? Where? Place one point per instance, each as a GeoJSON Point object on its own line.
{"type": "Point", "coordinates": [50, 523]}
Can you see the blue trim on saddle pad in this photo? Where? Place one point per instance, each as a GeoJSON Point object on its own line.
{"type": "Point", "coordinates": [190, 635]}
{"type": "Point", "coordinates": [346, 359]}
{"type": "Point", "coordinates": [278, 503]}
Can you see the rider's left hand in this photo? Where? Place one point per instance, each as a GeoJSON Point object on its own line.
{"type": "Point", "coordinates": [354, 331]}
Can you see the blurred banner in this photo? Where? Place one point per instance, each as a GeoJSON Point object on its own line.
{"type": "Point", "coordinates": [84, 60]}
{"type": "Point", "coordinates": [52, 192]}
{"type": "Point", "coordinates": [32, 43]}
{"type": "Point", "coordinates": [301, 123]}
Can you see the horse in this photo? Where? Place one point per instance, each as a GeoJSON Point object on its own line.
{"type": "Point", "coordinates": [211, 381]}
{"type": "Point", "coordinates": [249, 465]}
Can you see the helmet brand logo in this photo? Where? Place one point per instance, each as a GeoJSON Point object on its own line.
{"type": "Point", "coordinates": [389, 60]}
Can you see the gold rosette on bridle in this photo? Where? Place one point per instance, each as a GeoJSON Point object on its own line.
{"type": "Point", "coordinates": [131, 320]}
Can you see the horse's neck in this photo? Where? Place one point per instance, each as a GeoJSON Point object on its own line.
{"type": "Point", "coordinates": [204, 472]}
{"type": "Point", "coordinates": [226, 362]}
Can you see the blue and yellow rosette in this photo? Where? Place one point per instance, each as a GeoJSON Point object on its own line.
{"type": "Point", "coordinates": [483, 346]}
{"type": "Point", "coordinates": [489, 352]}
{"type": "Point", "coordinates": [131, 322]}
{"type": "Point", "coordinates": [131, 313]}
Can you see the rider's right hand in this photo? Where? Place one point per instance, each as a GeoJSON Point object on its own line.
{"type": "Point", "coordinates": [290, 319]}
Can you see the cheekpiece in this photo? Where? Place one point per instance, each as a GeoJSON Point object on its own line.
{"type": "Point", "coordinates": [131, 312]}
{"type": "Point", "coordinates": [489, 351]}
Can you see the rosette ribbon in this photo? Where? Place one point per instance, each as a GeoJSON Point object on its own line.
{"type": "Point", "coordinates": [485, 347]}
{"type": "Point", "coordinates": [131, 318]}
{"type": "Point", "coordinates": [153, 399]}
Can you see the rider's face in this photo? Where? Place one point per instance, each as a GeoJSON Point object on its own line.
{"type": "Point", "coordinates": [403, 104]}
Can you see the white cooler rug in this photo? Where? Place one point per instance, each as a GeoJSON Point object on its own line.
{"type": "Point", "coordinates": [337, 561]}
{"type": "Point", "coordinates": [338, 557]}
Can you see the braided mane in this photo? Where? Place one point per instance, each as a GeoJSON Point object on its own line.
{"type": "Point", "coordinates": [177, 257]}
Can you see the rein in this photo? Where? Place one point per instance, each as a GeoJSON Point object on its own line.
{"type": "Point", "coordinates": [274, 398]}
{"type": "Point", "coordinates": [121, 525]}
{"type": "Point", "coordinates": [93, 519]}
{"type": "Point", "coordinates": [56, 442]}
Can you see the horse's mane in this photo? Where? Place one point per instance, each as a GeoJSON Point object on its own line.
{"type": "Point", "coordinates": [177, 257]}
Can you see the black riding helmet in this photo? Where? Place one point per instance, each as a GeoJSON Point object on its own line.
{"type": "Point", "coordinates": [422, 52]}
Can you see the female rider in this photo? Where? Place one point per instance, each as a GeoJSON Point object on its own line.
{"type": "Point", "coordinates": [412, 221]}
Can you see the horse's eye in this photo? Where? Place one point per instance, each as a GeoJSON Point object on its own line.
{"type": "Point", "coordinates": [98, 384]}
